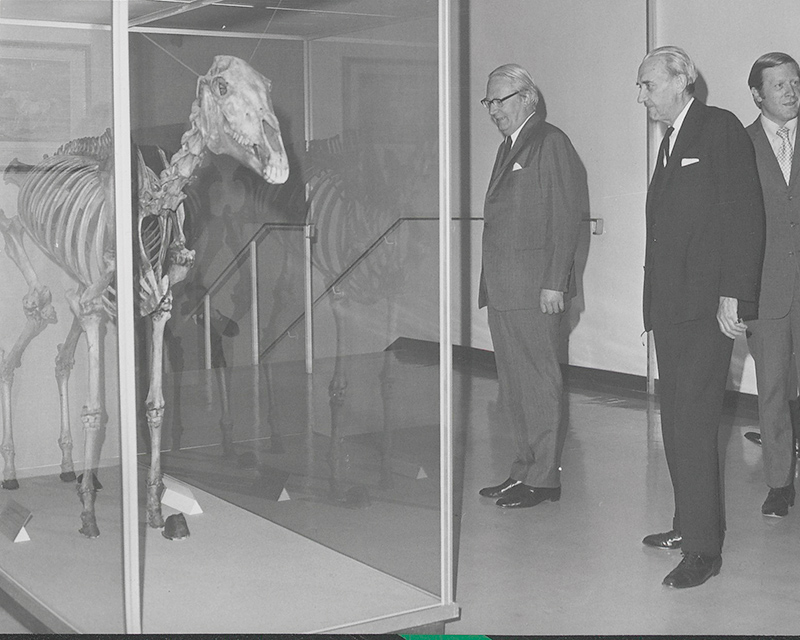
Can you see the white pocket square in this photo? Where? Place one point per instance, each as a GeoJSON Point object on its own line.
{"type": "Point", "coordinates": [517, 166]}
{"type": "Point", "coordinates": [685, 162]}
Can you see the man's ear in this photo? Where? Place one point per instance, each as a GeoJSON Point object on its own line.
{"type": "Point", "coordinates": [756, 95]}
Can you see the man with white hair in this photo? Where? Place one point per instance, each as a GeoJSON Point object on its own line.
{"type": "Point", "coordinates": [705, 234]}
{"type": "Point", "coordinates": [536, 199]}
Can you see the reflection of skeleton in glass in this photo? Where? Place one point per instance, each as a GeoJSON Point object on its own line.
{"type": "Point", "coordinates": [66, 207]}
{"type": "Point", "coordinates": [357, 204]}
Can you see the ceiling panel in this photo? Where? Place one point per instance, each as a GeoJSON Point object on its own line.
{"type": "Point", "coordinates": [295, 18]}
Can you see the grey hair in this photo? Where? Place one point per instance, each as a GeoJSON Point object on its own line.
{"type": "Point", "coordinates": [521, 78]}
{"type": "Point", "coordinates": [677, 63]}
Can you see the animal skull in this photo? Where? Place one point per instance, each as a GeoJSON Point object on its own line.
{"type": "Point", "coordinates": [236, 118]}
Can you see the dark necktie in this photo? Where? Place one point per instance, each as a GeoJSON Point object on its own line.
{"type": "Point", "coordinates": [502, 154]}
{"type": "Point", "coordinates": [504, 150]}
{"type": "Point", "coordinates": [663, 150]}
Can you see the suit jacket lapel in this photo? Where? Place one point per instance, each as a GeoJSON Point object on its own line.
{"type": "Point", "coordinates": [688, 132]}
{"type": "Point", "coordinates": [522, 140]}
{"type": "Point", "coordinates": [795, 173]}
{"type": "Point", "coordinates": [764, 149]}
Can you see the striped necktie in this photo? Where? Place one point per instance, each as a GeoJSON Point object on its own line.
{"type": "Point", "coordinates": [785, 153]}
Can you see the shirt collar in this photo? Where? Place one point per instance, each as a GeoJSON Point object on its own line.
{"type": "Point", "coordinates": [676, 126]}
{"type": "Point", "coordinates": [771, 128]}
{"type": "Point", "coordinates": [515, 135]}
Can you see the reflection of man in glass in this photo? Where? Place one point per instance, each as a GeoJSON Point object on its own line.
{"type": "Point", "coordinates": [536, 199]}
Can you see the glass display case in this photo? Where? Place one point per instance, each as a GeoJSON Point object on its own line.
{"type": "Point", "coordinates": [236, 216]}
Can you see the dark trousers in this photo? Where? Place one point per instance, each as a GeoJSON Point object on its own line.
{"type": "Point", "coordinates": [526, 352]}
{"type": "Point", "coordinates": [693, 361]}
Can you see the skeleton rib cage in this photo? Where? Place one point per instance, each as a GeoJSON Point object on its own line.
{"type": "Point", "coordinates": [64, 207]}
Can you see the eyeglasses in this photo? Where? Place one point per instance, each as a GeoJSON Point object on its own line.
{"type": "Point", "coordinates": [497, 102]}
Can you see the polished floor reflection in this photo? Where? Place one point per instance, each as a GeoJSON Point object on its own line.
{"type": "Point", "coordinates": [348, 457]}
{"type": "Point", "coordinates": [578, 566]}
{"type": "Point", "coordinates": [363, 479]}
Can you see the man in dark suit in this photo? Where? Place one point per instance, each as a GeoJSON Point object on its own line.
{"type": "Point", "coordinates": [536, 199]}
{"type": "Point", "coordinates": [705, 232]}
{"type": "Point", "coordinates": [775, 84]}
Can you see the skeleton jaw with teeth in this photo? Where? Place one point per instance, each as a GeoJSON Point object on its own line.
{"type": "Point", "coordinates": [236, 118]}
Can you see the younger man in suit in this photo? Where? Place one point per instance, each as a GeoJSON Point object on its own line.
{"type": "Point", "coordinates": [536, 199]}
{"type": "Point", "coordinates": [775, 84]}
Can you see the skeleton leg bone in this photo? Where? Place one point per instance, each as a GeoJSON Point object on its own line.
{"type": "Point", "coordinates": [39, 312]}
{"type": "Point", "coordinates": [155, 412]}
{"type": "Point", "coordinates": [65, 361]}
{"type": "Point", "coordinates": [91, 315]}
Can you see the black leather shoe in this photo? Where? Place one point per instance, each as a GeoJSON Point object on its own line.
{"type": "Point", "coordinates": [755, 438]}
{"type": "Point", "coordinates": [778, 501]}
{"type": "Point", "coordinates": [501, 489]}
{"type": "Point", "coordinates": [529, 497]}
{"type": "Point", "coordinates": [668, 540]}
{"type": "Point", "coordinates": [694, 570]}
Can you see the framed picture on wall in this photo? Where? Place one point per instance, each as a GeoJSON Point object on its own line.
{"type": "Point", "coordinates": [391, 101]}
{"type": "Point", "coordinates": [43, 91]}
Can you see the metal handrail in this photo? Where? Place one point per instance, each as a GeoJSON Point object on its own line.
{"type": "Point", "coordinates": [240, 257]}
{"type": "Point", "coordinates": [347, 272]}
{"type": "Point", "coordinates": [249, 252]}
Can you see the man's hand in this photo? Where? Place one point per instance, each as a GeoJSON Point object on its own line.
{"type": "Point", "coordinates": [551, 301]}
{"type": "Point", "coordinates": [728, 317]}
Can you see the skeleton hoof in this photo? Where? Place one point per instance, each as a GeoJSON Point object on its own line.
{"type": "Point", "coordinates": [11, 484]}
{"type": "Point", "coordinates": [90, 530]}
{"type": "Point", "coordinates": [175, 528]}
{"type": "Point", "coordinates": [155, 520]}
{"type": "Point", "coordinates": [68, 476]}
{"type": "Point", "coordinates": [95, 482]}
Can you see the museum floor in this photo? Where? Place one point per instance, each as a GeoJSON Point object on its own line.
{"type": "Point", "coordinates": [572, 567]}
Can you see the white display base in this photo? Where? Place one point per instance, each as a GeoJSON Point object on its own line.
{"type": "Point", "coordinates": [408, 469]}
{"type": "Point", "coordinates": [234, 559]}
{"type": "Point", "coordinates": [13, 519]}
{"type": "Point", "coordinates": [179, 496]}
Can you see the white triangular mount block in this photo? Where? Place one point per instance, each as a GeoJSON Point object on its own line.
{"type": "Point", "coordinates": [13, 519]}
{"type": "Point", "coordinates": [180, 497]}
{"type": "Point", "coordinates": [284, 496]}
{"type": "Point", "coordinates": [408, 469]}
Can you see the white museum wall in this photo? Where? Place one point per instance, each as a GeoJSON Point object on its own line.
{"type": "Point", "coordinates": [724, 38]}
{"type": "Point", "coordinates": [35, 404]}
{"type": "Point", "coordinates": [584, 56]}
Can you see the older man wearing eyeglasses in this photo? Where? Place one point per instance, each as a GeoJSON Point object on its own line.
{"type": "Point", "coordinates": [536, 199]}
